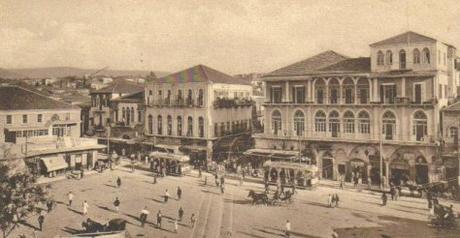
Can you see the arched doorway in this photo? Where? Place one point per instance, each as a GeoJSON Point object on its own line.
{"type": "Point", "coordinates": [400, 173]}
{"type": "Point", "coordinates": [327, 166]}
{"type": "Point", "coordinates": [421, 170]}
{"type": "Point", "coordinates": [358, 170]}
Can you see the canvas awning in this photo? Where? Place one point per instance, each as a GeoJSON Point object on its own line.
{"type": "Point", "coordinates": [54, 163]}
{"type": "Point", "coordinates": [273, 154]}
{"type": "Point", "coordinates": [169, 156]}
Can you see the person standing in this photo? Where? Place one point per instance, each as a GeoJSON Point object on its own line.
{"type": "Point", "coordinates": [118, 182]}
{"type": "Point", "coordinates": [199, 171]}
{"type": "Point", "coordinates": [159, 219]}
{"type": "Point", "coordinates": [176, 226]}
{"type": "Point", "coordinates": [116, 203]}
{"type": "Point", "coordinates": [384, 199]}
{"type": "Point", "coordinates": [392, 193]}
{"type": "Point", "coordinates": [288, 228]}
{"type": "Point", "coordinates": [70, 197]}
{"type": "Point", "coordinates": [396, 194]}
{"type": "Point", "coordinates": [336, 200]}
{"type": "Point", "coordinates": [192, 220]}
{"type": "Point", "coordinates": [144, 214]}
{"type": "Point", "coordinates": [181, 213]}
{"type": "Point", "coordinates": [85, 208]}
{"type": "Point", "coordinates": [155, 178]}
{"type": "Point", "coordinates": [222, 188]}
{"type": "Point", "coordinates": [333, 200]}
{"type": "Point", "coordinates": [329, 200]}
{"type": "Point", "coordinates": [41, 220]}
{"type": "Point", "coordinates": [166, 196]}
{"type": "Point", "coordinates": [49, 205]}
{"type": "Point", "coordinates": [179, 192]}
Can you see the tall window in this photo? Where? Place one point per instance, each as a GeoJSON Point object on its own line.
{"type": "Point", "coordinates": [333, 91]}
{"type": "Point", "coordinates": [299, 123]}
{"type": "Point", "coordinates": [190, 126]}
{"type": "Point", "coordinates": [9, 119]}
{"type": "Point", "coordinates": [179, 126]}
{"type": "Point", "coordinates": [349, 122]}
{"type": "Point", "coordinates": [298, 94]}
{"type": "Point", "coordinates": [334, 123]}
{"type": "Point", "coordinates": [402, 59]}
{"type": "Point", "coordinates": [388, 93]}
{"type": "Point", "coordinates": [169, 128]}
{"type": "Point", "coordinates": [276, 123]}
{"type": "Point", "coordinates": [389, 57]}
{"type": "Point", "coordinates": [416, 56]}
{"type": "Point", "coordinates": [201, 126]}
{"type": "Point", "coordinates": [180, 99]}
{"type": "Point", "coordinates": [348, 87]}
{"type": "Point", "coordinates": [150, 123]}
{"type": "Point", "coordinates": [363, 90]}
{"type": "Point", "coordinates": [389, 125]}
{"type": "Point", "coordinates": [123, 113]}
{"type": "Point", "coordinates": [380, 58]}
{"type": "Point", "coordinates": [276, 94]}
{"type": "Point", "coordinates": [132, 114]}
{"type": "Point", "coordinates": [426, 56]}
{"type": "Point", "coordinates": [168, 97]}
{"type": "Point", "coordinates": [320, 121]}
{"type": "Point", "coordinates": [200, 98]}
{"type": "Point", "coordinates": [222, 128]}
{"type": "Point", "coordinates": [39, 118]}
{"type": "Point", "coordinates": [419, 125]}
{"type": "Point", "coordinates": [160, 125]}
{"type": "Point", "coordinates": [190, 97]}
{"type": "Point", "coordinates": [364, 123]}
{"type": "Point", "coordinates": [24, 119]}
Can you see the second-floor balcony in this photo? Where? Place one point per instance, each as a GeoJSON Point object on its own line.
{"type": "Point", "coordinates": [220, 103]}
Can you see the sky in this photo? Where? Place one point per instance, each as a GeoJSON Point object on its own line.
{"type": "Point", "coordinates": [231, 36]}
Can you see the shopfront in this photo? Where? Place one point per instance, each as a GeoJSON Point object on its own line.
{"type": "Point", "coordinates": [168, 163]}
{"type": "Point", "coordinates": [290, 174]}
{"type": "Point", "coordinates": [53, 165]}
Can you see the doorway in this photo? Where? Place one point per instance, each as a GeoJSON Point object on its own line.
{"type": "Point", "coordinates": [327, 168]}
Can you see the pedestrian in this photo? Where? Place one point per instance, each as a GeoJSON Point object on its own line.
{"type": "Point", "coordinates": [70, 197]}
{"type": "Point", "coordinates": [159, 219]}
{"type": "Point", "coordinates": [154, 178]}
{"type": "Point", "coordinates": [166, 196]}
{"type": "Point", "coordinates": [179, 192]}
{"type": "Point", "coordinates": [144, 214]}
{"type": "Point", "coordinates": [205, 180]}
{"type": "Point", "coordinates": [341, 182]}
{"type": "Point", "coordinates": [216, 180]}
{"type": "Point", "coordinates": [222, 180]}
{"type": "Point", "coordinates": [392, 193]}
{"type": "Point", "coordinates": [384, 199]}
{"type": "Point", "coordinates": [336, 200]}
{"type": "Point", "coordinates": [49, 205]}
{"type": "Point", "coordinates": [176, 226]}
{"type": "Point", "coordinates": [241, 180]}
{"type": "Point", "coordinates": [85, 208]}
{"type": "Point", "coordinates": [199, 171]}
{"type": "Point", "coordinates": [116, 203]}
{"type": "Point", "coordinates": [222, 188]}
{"type": "Point", "coordinates": [333, 200]}
{"type": "Point", "coordinates": [192, 220]}
{"type": "Point", "coordinates": [41, 219]}
{"type": "Point", "coordinates": [181, 213]}
{"type": "Point", "coordinates": [118, 182]}
{"type": "Point", "coordinates": [329, 200]}
{"type": "Point", "coordinates": [396, 194]}
{"type": "Point", "coordinates": [288, 228]}
{"type": "Point", "coordinates": [293, 188]}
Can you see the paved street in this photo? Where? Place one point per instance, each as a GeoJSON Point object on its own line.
{"type": "Point", "coordinates": [359, 214]}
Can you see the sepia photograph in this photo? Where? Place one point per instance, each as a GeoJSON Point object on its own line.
{"type": "Point", "coordinates": [229, 119]}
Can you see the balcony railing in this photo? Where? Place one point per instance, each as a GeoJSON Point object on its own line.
{"type": "Point", "coordinates": [232, 103]}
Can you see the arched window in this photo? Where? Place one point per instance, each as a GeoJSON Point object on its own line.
{"type": "Point", "coordinates": [180, 98]}
{"type": "Point", "coordinates": [334, 88]}
{"type": "Point", "coordinates": [426, 56]}
{"type": "Point", "coordinates": [389, 125]}
{"type": "Point", "coordinates": [348, 122]}
{"type": "Point", "coordinates": [364, 123]}
{"type": "Point", "coordinates": [320, 121]}
{"type": "Point", "coordinates": [201, 126]}
{"type": "Point", "coordinates": [402, 59]}
{"type": "Point", "coordinates": [416, 56]}
{"type": "Point", "coordinates": [160, 125]}
{"type": "Point", "coordinates": [419, 125]}
{"type": "Point", "coordinates": [123, 114]}
{"type": "Point", "coordinates": [320, 86]}
{"type": "Point", "coordinates": [276, 122]}
{"type": "Point", "coordinates": [334, 123]}
{"type": "Point", "coordinates": [380, 58]}
{"type": "Point", "coordinates": [169, 129]}
{"type": "Point", "coordinates": [168, 98]}
{"type": "Point", "coordinates": [190, 97]}
{"type": "Point", "coordinates": [190, 126]}
{"type": "Point", "coordinates": [200, 98]}
{"type": "Point", "coordinates": [150, 123]}
{"type": "Point", "coordinates": [299, 123]}
{"type": "Point", "coordinates": [348, 91]}
{"type": "Point", "coordinates": [179, 126]}
{"type": "Point", "coordinates": [389, 57]}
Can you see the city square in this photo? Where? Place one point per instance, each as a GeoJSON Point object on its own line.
{"type": "Point", "coordinates": [231, 214]}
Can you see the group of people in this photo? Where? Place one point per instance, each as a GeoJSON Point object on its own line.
{"type": "Point", "coordinates": [333, 200]}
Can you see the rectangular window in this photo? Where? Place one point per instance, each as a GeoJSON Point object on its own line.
{"type": "Point", "coordinates": [276, 94]}
{"type": "Point", "coordinates": [299, 94]}
{"type": "Point", "coordinates": [388, 93]}
{"type": "Point", "coordinates": [39, 118]}
{"type": "Point", "coordinates": [418, 93]}
{"type": "Point", "coordinates": [9, 119]}
{"type": "Point", "coordinates": [24, 119]}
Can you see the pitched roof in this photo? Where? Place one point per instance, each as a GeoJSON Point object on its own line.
{"type": "Point", "coordinates": [361, 64]}
{"type": "Point", "coordinates": [407, 37]}
{"type": "Point", "coordinates": [133, 97]}
{"type": "Point", "coordinates": [18, 98]}
{"type": "Point", "coordinates": [121, 86]}
{"type": "Point", "coordinates": [201, 73]}
{"type": "Point", "coordinates": [453, 107]}
{"type": "Point", "coordinates": [309, 65]}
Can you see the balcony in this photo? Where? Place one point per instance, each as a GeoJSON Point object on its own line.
{"type": "Point", "coordinates": [221, 103]}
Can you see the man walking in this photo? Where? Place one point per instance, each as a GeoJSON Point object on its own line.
{"type": "Point", "coordinates": [329, 200]}
{"type": "Point", "coordinates": [41, 219]}
{"type": "Point", "coordinates": [85, 208]}
{"type": "Point", "coordinates": [159, 219]}
{"type": "Point", "coordinates": [288, 228]}
{"type": "Point", "coordinates": [116, 203]}
{"type": "Point", "coordinates": [384, 199]}
{"type": "Point", "coordinates": [144, 214]}
{"type": "Point", "coordinates": [179, 192]}
{"type": "Point", "coordinates": [181, 213]}
{"type": "Point", "coordinates": [166, 196]}
{"type": "Point", "coordinates": [336, 199]}
{"type": "Point", "coordinates": [192, 220]}
{"type": "Point", "coordinates": [49, 205]}
{"type": "Point", "coordinates": [70, 197]}
{"type": "Point", "coordinates": [118, 182]}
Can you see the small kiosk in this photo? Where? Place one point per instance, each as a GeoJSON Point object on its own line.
{"type": "Point", "coordinates": [291, 174]}
{"type": "Point", "coordinates": [169, 164]}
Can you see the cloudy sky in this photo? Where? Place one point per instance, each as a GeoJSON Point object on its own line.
{"type": "Point", "coordinates": [232, 36]}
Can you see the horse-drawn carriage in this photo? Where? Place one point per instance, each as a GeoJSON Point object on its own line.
{"type": "Point", "coordinates": [290, 174]}
{"type": "Point", "coordinates": [115, 228]}
{"type": "Point", "coordinates": [276, 200]}
{"type": "Point", "coordinates": [443, 217]}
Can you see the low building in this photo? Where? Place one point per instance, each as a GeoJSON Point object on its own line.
{"type": "Point", "coordinates": [44, 131]}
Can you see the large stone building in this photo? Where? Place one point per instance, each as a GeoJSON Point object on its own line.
{"type": "Point", "coordinates": [44, 131]}
{"type": "Point", "coordinates": [450, 125]}
{"type": "Point", "coordinates": [346, 114]}
{"type": "Point", "coordinates": [193, 109]}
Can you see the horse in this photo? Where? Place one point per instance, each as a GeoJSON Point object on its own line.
{"type": "Point", "coordinates": [92, 226]}
{"type": "Point", "coordinates": [258, 197]}
{"type": "Point", "coordinates": [287, 197]}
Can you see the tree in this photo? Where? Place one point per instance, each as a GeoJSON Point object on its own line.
{"type": "Point", "coordinates": [20, 196]}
